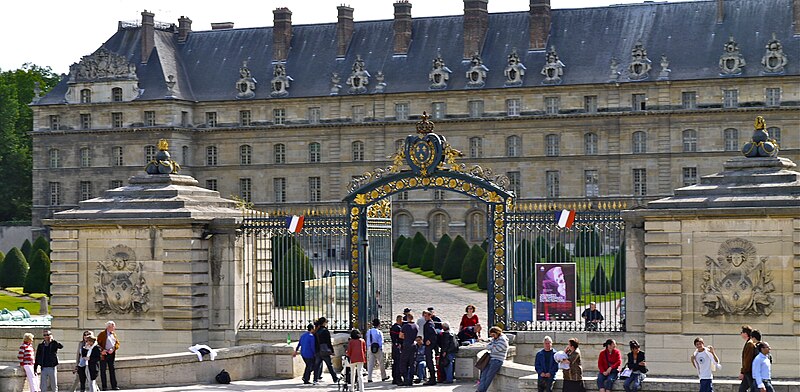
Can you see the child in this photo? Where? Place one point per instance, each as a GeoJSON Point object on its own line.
{"type": "Point", "coordinates": [419, 360]}
{"type": "Point", "coordinates": [561, 358]}
{"type": "Point", "coordinates": [706, 362]}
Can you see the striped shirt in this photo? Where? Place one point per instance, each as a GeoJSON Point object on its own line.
{"type": "Point", "coordinates": [25, 355]}
{"type": "Point", "coordinates": [498, 348]}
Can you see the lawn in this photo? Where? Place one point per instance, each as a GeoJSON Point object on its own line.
{"type": "Point", "coordinates": [13, 303]}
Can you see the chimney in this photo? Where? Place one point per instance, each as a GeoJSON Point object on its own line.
{"type": "Point", "coordinates": [720, 11]}
{"type": "Point", "coordinates": [344, 30]}
{"type": "Point", "coordinates": [540, 24]}
{"type": "Point", "coordinates": [184, 28]}
{"type": "Point", "coordinates": [476, 23]}
{"type": "Point", "coordinates": [148, 35]}
{"type": "Point", "coordinates": [402, 26]}
{"type": "Point", "coordinates": [222, 26]}
{"type": "Point", "coordinates": [281, 33]}
{"type": "Point", "coordinates": [796, 17]}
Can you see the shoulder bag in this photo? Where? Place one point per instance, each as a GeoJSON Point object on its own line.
{"type": "Point", "coordinates": [483, 362]}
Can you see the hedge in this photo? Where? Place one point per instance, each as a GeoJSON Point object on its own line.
{"type": "Point", "coordinates": [482, 278]}
{"type": "Point", "coordinates": [618, 276]}
{"type": "Point", "coordinates": [404, 252]}
{"type": "Point", "coordinates": [41, 243]}
{"type": "Point", "coordinates": [428, 257]}
{"type": "Point", "coordinates": [38, 279]}
{"type": "Point", "coordinates": [599, 284]}
{"type": "Point", "coordinates": [14, 269]}
{"type": "Point", "coordinates": [441, 253]}
{"type": "Point", "coordinates": [288, 277]}
{"type": "Point", "coordinates": [559, 254]}
{"type": "Point", "coordinates": [485, 245]}
{"type": "Point", "coordinates": [397, 245]}
{"type": "Point", "coordinates": [26, 249]}
{"type": "Point", "coordinates": [588, 244]}
{"type": "Point", "coordinates": [472, 264]}
{"type": "Point", "coordinates": [455, 259]}
{"type": "Point", "coordinates": [418, 245]}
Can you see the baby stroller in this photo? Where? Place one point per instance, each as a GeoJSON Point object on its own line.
{"type": "Point", "coordinates": [344, 377]}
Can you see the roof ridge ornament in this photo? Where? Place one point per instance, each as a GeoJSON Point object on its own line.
{"type": "Point", "coordinates": [280, 82]}
{"type": "Point", "coordinates": [476, 74]}
{"type": "Point", "coordinates": [380, 87]}
{"type": "Point", "coordinates": [102, 65]}
{"type": "Point", "coordinates": [731, 62]}
{"type": "Point", "coordinates": [665, 70]}
{"type": "Point", "coordinates": [515, 71]}
{"type": "Point", "coordinates": [639, 68]}
{"type": "Point", "coordinates": [246, 85]}
{"type": "Point", "coordinates": [440, 74]}
{"type": "Point", "coordinates": [774, 60]}
{"type": "Point", "coordinates": [359, 78]}
{"type": "Point", "coordinates": [614, 70]}
{"type": "Point", "coordinates": [553, 68]}
{"type": "Point", "coordinates": [335, 86]}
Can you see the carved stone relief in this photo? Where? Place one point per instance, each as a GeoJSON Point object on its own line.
{"type": "Point", "coordinates": [246, 86]}
{"type": "Point", "coordinates": [731, 62]}
{"type": "Point", "coordinates": [515, 71]}
{"type": "Point", "coordinates": [380, 78]}
{"type": "Point", "coordinates": [665, 71]}
{"type": "Point", "coordinates": [737, 281]}
{"type": "Point", "coordinates": [439, 75]}
{"type": "Point", "coordinates": [774, 60]}
{"type": "Point", "coordinates": [120, 286]}
{"type": "Point", "coordinates": [476, 74]}
{"type": "Point", "coordinates": [553, 68]}
{"type": "Point", "coordinates": [102, 65]}
{"type": "Point", "coordinates": [280, 82]}
{"type": "Point", "coordinates": [335, 86]}
{"type": "Point", "coordinates": [614, 73]}
{"type": "Point", "coordinates": [640, 66]}
{"type": "Point", "coordinates": [359, 78]}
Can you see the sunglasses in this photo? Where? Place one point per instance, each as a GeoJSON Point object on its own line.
{"type": "Point", "coordinates": [46, 334]}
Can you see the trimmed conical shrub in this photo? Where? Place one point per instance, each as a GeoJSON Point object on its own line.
{"type": "Point", "coordinates": [588, 244]}
{"type": "Point", "coordinates": [41, 243]}
{"type": "Point", "coordinates": [38, 279]}
{"type": "Point", "coordinates": [405, 251]}
{"type": "Point", "coordinates": [418, 245]}
{"type": "Point", "coordinates": [482, 273]}
{"type": "Point", "coordinates": [472, 264]}
{"type": "Point", "coordinates": [455, 259]}
{"type": "Point", "coordinates": [599, 284]}
{"type": "Point", "coordinates": [288, 277]}
{"type": "Point", "coordinates": [26, 249]}
{"type": "Point", "coordinates": [14, 269]}
{"type": "Point", "coordinates": [397, 244]}
{"type": "Point", "coordinates": [428, 257]}
{"type": "Point", "coordinates": [559, 254]}
{"type": "Point", "coordinates": [281, 245]}
{"type": "Point", "coordinates": [618, 276]}
{"type": "Point", "coordinates": [540, 248]}
{"type": "Point", "coordinates": [441, 253]}
{"type": "Point", "coordinates": [485, 245]}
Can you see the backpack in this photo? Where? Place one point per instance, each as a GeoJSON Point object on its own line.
{"type": "Point", "coordinates": [453, 343]}
{"type": "Point", "coordinates": [374, 347]}
{"type": "Point", "coordinates": [223, 377]}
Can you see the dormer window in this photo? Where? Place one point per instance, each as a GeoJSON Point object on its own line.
{"type": "Point", "coordinates": [86, 96]}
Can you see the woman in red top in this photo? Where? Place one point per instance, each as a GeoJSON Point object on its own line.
{"type": "Point", "coordinates": [608, 364]}
{"type": "Point", "coordinates": [357, 354]}
{"type": "Point", "coordinates": [26, 358]}
{"type": "Point", "coordinates": [469, 328]}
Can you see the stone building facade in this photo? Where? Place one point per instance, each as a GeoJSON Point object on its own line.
{"type": "Point", "coordinates": [567, 103]}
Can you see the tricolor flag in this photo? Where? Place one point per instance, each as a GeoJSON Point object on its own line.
{"type": "Point", "coordinates": [565, 218]}
{"type": "Point", "coordinates": [294, 223]}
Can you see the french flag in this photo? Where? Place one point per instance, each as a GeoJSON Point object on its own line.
{"type": "Point", "coordinates": [565, 218]}
{"type": "Point", "coordinates": [294, 223]}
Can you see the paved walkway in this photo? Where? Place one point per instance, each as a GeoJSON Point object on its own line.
{"type": "Point", "coordinates": [296, 385]}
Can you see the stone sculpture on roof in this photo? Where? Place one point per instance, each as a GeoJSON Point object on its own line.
{"type": "Point", "coordinates": [439, 75]}
{"type": "Point", "coordinates": [280, 82]}
{"type": "Point", "coordinates": [731, 62]}
{"type": "Point", "coordinates": [335, 86]}
{"type": "Point", "coordinates": [102, 65]}
{"type": "Point", "coordinates": [774, 60]}
{"type": "Point", "coordinates": [380, 78]}
{"type": "Point", "coordinates": [515, 71]}
{"type": "Point", "coordinates": [614, 70]}
{"type": "Point", "coordinates": [359, 78]}
{"type": "Point", "coordinates": [170, 82]}
{"type": "Point", "coordinates": [246, 85]}
{"type": "Point", "coordinates": [664, 74]}
{"type": "Point", "coordinates": [553, 68]}
{"type": "Point", "coordinates": [476, 75]}
{"type": "Point", "coordinates": [640, 66]}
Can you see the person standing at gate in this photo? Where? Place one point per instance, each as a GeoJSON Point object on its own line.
{"type": "Point", "coordinates": [429, 336]}
{"type": "Point", "coordinates": [307, 348]}
{"type": "Point", "coordinates": [397, 343]}
{"type": "Point", "coordinates": [109, 344]}
{"type": "Point", "coordinates": [706, 362]}
{"type": "Point", "coordinates": [546, 366]}
{"type": "Point", "coordinates": [47, 358]}
{"type": "Point", "coordinates": [748, 354]}
{"type": "Point", "coordinates": [375, 351]}
{"type": "Point", "coordinates": [408, 334]}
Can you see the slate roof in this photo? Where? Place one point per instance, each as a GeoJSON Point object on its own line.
{"type": "Point", "coordinates": [207, 65]}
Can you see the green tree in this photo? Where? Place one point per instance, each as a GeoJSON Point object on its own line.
{"type": "Point", "coordinates": [472, 264]}
{"type": "Point", "coordinates": [14, 269]}
{"type": "Point", "coordinates": [559, 254]}
{"type": "Point", "coordinates": [38, 278]}
{"type": "Point", "coordinates": [397, 245]}
{"type": "Point", "coordinates": [26, 249]}
{"type": "Point", "coordinates": [441, 253]}
{"type": "Point", "coordinates": [281, 244]}
{"type": "Point", "coordinates": [428, 257]}
{"type": "Point", "coordinates": [288, 277]}
{"type": "Point", "coordinates": [482, 272]}
{"type": "Point", "coordinates": [541, 248]}
{"type": "Point", "coordinates": [40, 243]}
{"type": "Point", "coordinates": [588, 244]}
{"type": "Point", "coordinates": [455, 258]}
{"type": "Point", "coordinates": [599, 284]}
{"type": "Point", "coordinates": [405, 251]}
{"type": "Point", "coordinates": [418, 245]}
{"type": "Point", "coordinates": [618, 276]}
{"type": "Point", "coordinates": [525, 258]}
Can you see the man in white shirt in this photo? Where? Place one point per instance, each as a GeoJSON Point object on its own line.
{"type": "Point", "coordinates": [375, 342]}
{"type": "Point", "coordinates": [706, 362]}
{"type": "Point", "coordinates": [762, 368]}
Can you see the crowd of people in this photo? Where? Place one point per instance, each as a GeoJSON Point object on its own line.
{"type": "Point", "coordinates": [94, 355]}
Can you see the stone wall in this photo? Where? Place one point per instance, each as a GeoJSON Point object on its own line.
{"type": "Point", "coordinates": [14, 236]}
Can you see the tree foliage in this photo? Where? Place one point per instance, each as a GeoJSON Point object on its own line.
{"type": "Point", "coordinates": [26, 249]}
{"type": "Point", "coordinates": [418, 245]}
{"type": "Point", "coordinates": [441, 253]}
{"type": "Point", "coordinates": [405, 251]}
{"type": "Point", "coordinates": [455, 259]}
{"type": "Point", "coordinates": [428, 257]}
{"type": "Point", "coordinates": [559, 254]}
{"type": "Point", "coordinates": [397, 244]}
{"type": "Point", "coordinates": [14, 269]}
{"type": "Point", "coordinates": [40, 243]}
{"type": "Point", "coordinates": [618, 276]}
{"type": "Point", "coordinates": [288, 276]}
{"type": "Point", "coordinates": [588, 244]}
{"type": "Point", "coordinates": [525, 259]}
{"type": "Point", "coordinates": [472, 264]}
{"type": "Point", "coordinates": [38, 278]}
{"type": "Point", "coordinates": [482, 272]}
{"type": "Point", "coordinates": [599, 284]}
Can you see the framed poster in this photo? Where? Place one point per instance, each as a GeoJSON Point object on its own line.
{"type": "Point", "coordinates": [555, 291]}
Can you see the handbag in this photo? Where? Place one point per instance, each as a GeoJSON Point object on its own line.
{"type": "Point", "coordinates": [223, 377]}
{"type": "Point", "coordinates": [325, 349]}
{"type": "Point", "coordinates": [483, 362]}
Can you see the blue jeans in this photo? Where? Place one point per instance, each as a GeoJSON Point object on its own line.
{"type": "Point", "coordinates": [420, 366]}
{"type": "Point", "coordinates": [488, 373]}
{"type": "Point", "coordinates": [449, 370]}
{"type": "Point", "coordinates": [705, 385]}
{"type": "Point", "coordinates": [607, 382]}
{"type": "Point", "coordinates": [633, 383]}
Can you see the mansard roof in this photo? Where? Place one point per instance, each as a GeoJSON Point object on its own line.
{"type": "Point", "coordinates": [207, 64]}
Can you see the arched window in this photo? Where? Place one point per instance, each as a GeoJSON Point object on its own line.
{"type": "Point", "coordinates": [639, 142]}
{"type": "Point", "coordinates": [280, 153]}
{"type": "Point", "coordinates": [402, 223]}
{"type": "Point", "coordinates": [55, 158]}
{"type": "Point", "coordinates": [211, 156]}
{"type": "Point", "coordinates": [477, 227]}
{"type": "Point", "coordinates": [439, 223]}
{"type": "Point", "coordinates": [86, 157]}
{"type": "Point", "coordinates": [314, 152]}
{"type": "Point", "coordinates": [513, 146]}
{"type": "Point", "coordinates": [245, 154]}
{"type": "Point", "coordinates": [775, 134]}
{"type": "Point", "coordinates": [116, 94]}
{"type": "Point", "coordinates": [551, 145]}
{"type": "Point", "coordinates": [86, 96]}
{"type": "Point", "coordinates": [731, 136]}
{"type": "Point", "coordinates": [590, 140]}
{"type": "Point", "coordinates": [358, 151]}
{"type": "Point", "coordinates": [149, 154]}
{"type": "Point", "coordinates": [689, 138]}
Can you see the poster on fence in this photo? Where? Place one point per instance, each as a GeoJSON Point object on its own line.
{"type": "Point", "coordinates": [555, 291]}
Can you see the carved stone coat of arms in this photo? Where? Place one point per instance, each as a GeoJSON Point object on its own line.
{"type": "Point", "coordinates": [737, 281]}
{"type": "Point", "coordinates": [120, 285]}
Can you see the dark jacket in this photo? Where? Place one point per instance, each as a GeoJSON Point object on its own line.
{"type": "Point", "coordinates": [47, 354]}
{"type": "Point", "coordinates": [94, 360]}
{"type": "Point", "coordinates": [429, 334]}
{"type": "Point", "coordinates": [394, 333]}
{"type": "Point", "coordinates": [409, 330]}
{"type": "Point", "coordinates": [634, 365]}
{"type": "Point", "coordinates": [545, 363]}
{"type": "Point", "coordinates": [448, 342]}
{"type": "Point", "coordinates": [323, 338]}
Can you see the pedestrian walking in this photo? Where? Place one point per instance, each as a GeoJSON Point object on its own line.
{"type": "Point", "coordinates": [76, 382]}
{"type": "Point", "coordinates": [546, 366]}
{"type": "Point", "coordinates": [636, 367]}
{"type": "Point", "coordinates": [430, 337]}
{"type": "Point", "coordinates": [324, 348]}
{"type": "Point", "coordinates": [307, 347]}
{"type": "Point", "coordinates": [762, 368]}
{"type": "Point", "coordinates": [408, 334]}
{"type": "Point", "coordinates": [109, 344]}
{"type": "Point", "coordinates": [375, 351]}
{"type": "Point", "coordinates": [397, 344]}
{"type": "Point", "coordinates": [47, 359]}
{"type": "Point", "coordinates": [706, 362]}
{"type": "Point", "coordinates": [26, 357]}
{"type": "Point", "coordinates": [498, 349]}
{"type": "Point", "coordinates": [357, 355]}
{"type": "Point", "coordinates": [749, 353]}
{"type": "Point", "coordinates": [608, 363]}
{"type": "Point", "coordinates": [573, 377]}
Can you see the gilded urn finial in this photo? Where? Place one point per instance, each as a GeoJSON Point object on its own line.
{"type": "Point", "coordinates": [760, 145]}
{"type": "Point", "coordinates": [162, 163]}
{"type": "Point", "coordinates": [163, 145]}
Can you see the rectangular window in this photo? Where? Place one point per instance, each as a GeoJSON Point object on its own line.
{"type": "Point", "coordinates": [730, 98]}
{"type": "Point", "coordinates": [86, 190]}
{"type": "Point", "coordinates": [438, 110]}
{"type": "Point", "coordinates": [551, 105]}
{"type": "Point", "coordinates": [116, 120]}
{"type": "Point", "coordinates": [149, 154]}
{"type": "Point", "coordinates": [591, 181]}
{"type": "Point", "coordinates": [590, 103]}
{"type": "Point", "coordinates": [184, 119]}
{"type": "Point", "coordinates": [402, 195]}
{"type": "Point", "coordinates": [86, 157]}
{"type": "Point", "coordinates": [553, 186]}
{"type": "Point", "coordinates": [86, 96]}
{"type": "Point", "coordinates": [438, 194]}
{"type": "Point", "coordinates": [149, 118]}
{"type": "Point", "coordinates": [638, 102]}
{"type": "Point", "coordinates": [314, 189]}
{"type": "Point", "coordinates": [515, 182]}
{"type": "Point", "coordinates": [279, 116]}
{"type": "Point", "coordinates": [116, 94]}
{"type": "Point", "coordinates": [476, 147]}
{"type": "Point", "coordinates": [211, 156]}
{"type": "Point", "coordinates": [689, 176]}
{"type": "Point", "coordinates": [773, 97]}
{"type": "Point", "coordinates": [475, 109]}
{"type": "Point", "coordinates": [86, 121]}
{"type": "Point", "coordinates": [115, 184]}
{"type": "Point", "coordinates": [689, 100]}
{"type": "Point", "coordinates": [245, 189]}
{"type": "Point", "coordinates": [401, 111]}
{"type": "Point", "coordinates": [55, 193]}
{"type": "Point", "coordinates": [55, 158]}
{"type": "Point", "coordinates": [55, 122]}
{"type": "Point", "coordinates": [211, 119]}
{"type": "Point", "coordinates": [358, 113]}
{"type": "Point", "coordinates": [211, 185]}
{"type": "Point", "coordinates": [314, 115]}
{"type": "Point", "coordinates": [244, 118]}
{"type": "Point", "coordinates": [513, 107]}
{"type": "Point", "coordinates": [279, 187]}
{"type": "Point", "coordinates": [640, 182]}
{"type": "Point", "coordinates": [116, 156]}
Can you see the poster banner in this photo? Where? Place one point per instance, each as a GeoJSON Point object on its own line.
{"type": "Point", "coordinates": [555, 291]}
